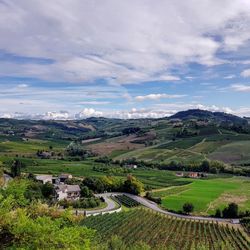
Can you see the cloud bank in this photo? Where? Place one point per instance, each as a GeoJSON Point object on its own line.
{"type": "Point", "coordinates": [120, 41]}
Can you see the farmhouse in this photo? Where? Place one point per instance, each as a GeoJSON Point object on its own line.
{"type": "Point", "coordinates": [179, 174]}
{"type": "Point", "coordinates": [64, 177]}
{"type": "Point", "coordinates": [193, 175]}
{"type": "Point", "coordinates": [68, 192]}
{"type": "Point", "coordinates": [44, 178]}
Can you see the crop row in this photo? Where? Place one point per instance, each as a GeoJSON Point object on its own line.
{"type": "Point", "coordinates": [127, 201]}
{"type": "Point", "coordinates": [159, 230]}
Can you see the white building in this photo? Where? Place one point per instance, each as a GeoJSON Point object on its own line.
{"type": "Point", "coordinates": [68, 192]}
{"type": "Point", "coordinates": [44, 178]}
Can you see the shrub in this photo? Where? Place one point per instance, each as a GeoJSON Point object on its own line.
{"type": "Point", "coordinates": [188, 208]}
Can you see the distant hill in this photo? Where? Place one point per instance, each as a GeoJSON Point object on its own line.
{"type": "Point", "coordinates": [219, 117]}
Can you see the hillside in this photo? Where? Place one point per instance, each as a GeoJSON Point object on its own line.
{"type": "Point", "coordinates": [187, 137]}
{"type": "Point", "coordinates": [218, 117]}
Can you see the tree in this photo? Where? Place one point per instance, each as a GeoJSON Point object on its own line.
{"type": "Point", "coordinates": [16, 168]}
{"type": "Point", "coordinates": [85, 192]}
{"type": "Point", "coordinates": [188, 207]}
{"type": "Point", "coordinates": [133, 186]}
{"type": "Point", "coordinates": [33, 191]}
{"type": "Point", "coordinates": [205, 166]}
{"type": "Point", "coordinates": [218, 213]}
{"type": "Point", "coordinates": [94, 184]}
{"type": "Point", "coordinates": [47, 190]}
{"type": "Point", "coordinates": [231, 211]}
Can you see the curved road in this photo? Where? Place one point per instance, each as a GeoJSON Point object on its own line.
{"type": "Point", "coordinates": [152, 205]}
{"type": "Point", "coordinates": [111, 205]}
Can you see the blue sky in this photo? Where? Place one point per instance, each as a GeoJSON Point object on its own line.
{"type": "Point", "coordinates": [127, 59]}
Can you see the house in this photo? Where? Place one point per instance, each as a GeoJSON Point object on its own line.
{"type": "Point", "coordinates": [68, 192]}
{"type": "Point", "coordinates": [132, 166]}
{"type": "Point", "coordinates": [179, 174]}
{"type": "Point", "coordinates": [64, 177]}
{"type": "Point", "coordinates": [44, 178]}
{"type": "Point", "coordinates": [193, 175]}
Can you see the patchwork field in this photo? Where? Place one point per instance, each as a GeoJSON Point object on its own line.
{"type": "Point", "coordinates": [222, 147]}
{"type": "Point", "coordinates": [122, 144]}
{"type": "Point", "coordinates": [208, 195]}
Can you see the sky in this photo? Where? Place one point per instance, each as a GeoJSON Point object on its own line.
{"type": "Point", "coordinates": [72, 59]}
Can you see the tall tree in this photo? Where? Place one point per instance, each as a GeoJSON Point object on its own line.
{"type": "Point", "coordinates": [16, 168]}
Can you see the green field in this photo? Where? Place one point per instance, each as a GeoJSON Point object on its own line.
{"type": "Point", "coordinates": [208, 195]}
{"type": "Point", "coordinates": [29, 147]}
{"type": "Point", "coordinates": [150, 177]}
{"type": "Point", "coordinates": [162, 232]}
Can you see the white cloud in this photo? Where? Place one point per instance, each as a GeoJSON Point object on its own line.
{"type": "Point", "coordinates": [245, 73]}
{"type": "Point", "coordinates": [94, 102]}
{"type": "Point", "coordinates": [62, 115]}
{"type": "Point", "coordinates": [88, 112]}
{"type": "Point", "coordinates": [22, 85]}
{"type": "Point", "coordinates": [229, 77]}
{"type": "Point", "coordinates": [121, 41]}
{"type": "Point", "coordinates": [240, 87]}
{"type": "Point", "coordinates": [157, 111]}
{"type": "Point", "coordinates": [156, 97]}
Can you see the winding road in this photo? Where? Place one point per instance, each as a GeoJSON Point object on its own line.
{"type": "Point", "coordinates": [151, 205]}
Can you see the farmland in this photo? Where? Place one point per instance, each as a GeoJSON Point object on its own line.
{"type": "Point", "coordinates": [207, 195]}
{"type": "Point", "coordinates": [126, 201]}
{"type": "Point", "coordinates": [236, 152]}
{"type": "Point", "coordinates": [162, 232]}
{"type": "Point", "coordinates": [150, 177]}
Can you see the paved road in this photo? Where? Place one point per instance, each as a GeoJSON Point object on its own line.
{"type": "Point", "coordinates": [111, 205]}
{"type": "Point", "coordinates": [152, 205]}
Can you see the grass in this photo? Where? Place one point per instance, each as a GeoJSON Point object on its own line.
{"type": "Point", "coordinates": [203, 194]}
{"type": "Point", "coordinates": [170, 191]}
{"type": "Point", "coordinates": [240, 195]}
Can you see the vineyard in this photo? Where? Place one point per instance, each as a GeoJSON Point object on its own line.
{"type": "Point", "coordinates": [126, 201]}
{"type": "Point", "coordinates": [163, 232]}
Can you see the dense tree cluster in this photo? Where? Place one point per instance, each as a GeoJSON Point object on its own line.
{"type": "Point", "coordinates": [231, 211]}
{"type": "Point", "coordinates": [111, 183]}
{"type": "Point", "coordinates": [131, 130]}
{"type": "Point", "coordinates": [75, 149]}
{"type": "Point", "coordinates": [208, 166]}
{"type": "Point", "coordinates": [26, 225]}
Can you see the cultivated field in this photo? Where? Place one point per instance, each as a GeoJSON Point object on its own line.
{"type": "Point", "coordinates": [235, 152]}
{"type": "Point", "coordinates": [162, 232]}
